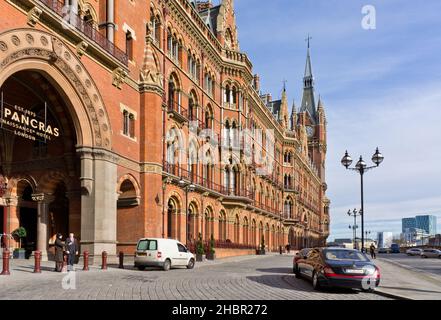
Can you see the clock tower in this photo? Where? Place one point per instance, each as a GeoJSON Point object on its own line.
{"type": "Point", "coordinates": [314, 119]}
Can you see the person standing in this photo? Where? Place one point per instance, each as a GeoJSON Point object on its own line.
{"type": "Point", "coordinates": [372, 251]}
{"type": "Point", "coordinates": [59, 252]}
{"type": "Point", "coordinates": [71, 250]}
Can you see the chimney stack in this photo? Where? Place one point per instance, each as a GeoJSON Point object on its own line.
{"type": "Point", "coordinates": [256, 82]}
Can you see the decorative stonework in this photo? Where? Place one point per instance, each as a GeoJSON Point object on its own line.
{"type": "Point", "coordinates": [34, 16]}
{"type": "Point", "coordinates": [81, 48]}
{"type": "Point", "coordinates": [20, 44]}
{"type": "Point", "coordinates": [119, 76]}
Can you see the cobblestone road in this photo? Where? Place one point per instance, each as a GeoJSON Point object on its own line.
{"type": "Point", "coordinates": [252, 278]}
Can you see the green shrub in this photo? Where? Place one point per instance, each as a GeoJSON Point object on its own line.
{"type": "Point", "coordinates": [200, 245]}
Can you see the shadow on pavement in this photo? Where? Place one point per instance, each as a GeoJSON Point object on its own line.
{"type": "Point", "coordinates": [292, 283]}
{"type": "Point", "coordinates": [276, 270]}
{"type": "Point", "coordinates": [410, 289]}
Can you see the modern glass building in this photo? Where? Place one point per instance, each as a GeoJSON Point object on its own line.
{"type": "Point", "coordinates": [408, 223]}
{"type": "Point", "coordinates": [423, 222]}
{"type": "Point", "coordinates": [426, 223]}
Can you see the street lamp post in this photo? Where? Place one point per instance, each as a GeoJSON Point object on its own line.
{"type": "Point", "coordinates": [361, 168]}
{"type": "Point", "coordinates": [188, 187]}
{"type": "Point", "coordinates": [354, 227]}
{"type": "Point", "coordinates": [3, 187]}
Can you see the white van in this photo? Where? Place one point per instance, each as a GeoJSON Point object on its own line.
{"type": "Point", "coordinates": [164, 253]}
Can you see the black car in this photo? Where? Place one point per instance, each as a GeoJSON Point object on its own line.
{"type": "Point", "coordinates": [338, 267]}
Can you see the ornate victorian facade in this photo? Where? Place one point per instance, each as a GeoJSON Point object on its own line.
{"type": "Point", "coordinates": [169, 136]}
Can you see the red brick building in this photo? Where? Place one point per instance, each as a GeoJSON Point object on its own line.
{"type": "Point", "coordinates": [124, 119]}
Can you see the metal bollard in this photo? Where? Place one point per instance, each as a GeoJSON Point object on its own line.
{"type": "Point", "coordinates": [121, 260]}
{"type": "Point", "coordinates": [64, 270]}
{"type": "Point", "coordinates": [37, 266]}
{"type": "Point", "coordinates": [104, 260]}
{"type": "Point", "coordinates": [5, 271]}
{"type": "Point", "coordinates": [280, 249]}
{"type": "Point", "coordinates": [86, 261]}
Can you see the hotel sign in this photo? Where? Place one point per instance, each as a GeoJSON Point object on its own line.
{"type": "Point", "coordinates": [26, 123]}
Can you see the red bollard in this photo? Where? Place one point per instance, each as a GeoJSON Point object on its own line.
{"type": "Point", "coordinates": [104, 258]}
{"type": "Point", "coordinates": [86, 261]}
{"type": "Point", "coordinates": [37, 267]}
{"type": "Point", "coordinates": [64, 263]}
{"type": "Point", "coordinates": [121, 260]}
{"type": "Point", "coordinates": [5, 271]}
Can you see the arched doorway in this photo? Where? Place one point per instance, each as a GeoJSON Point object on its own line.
{"type": "Point", "coordinates": [38, 139]}
{"type": "Point", "coordinates": [47, 87]}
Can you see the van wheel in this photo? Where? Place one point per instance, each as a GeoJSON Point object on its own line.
{"type": "Point", "coordinates": [167, 265]}
{"type": "Point", "coordinates": [190, 264]}
{"type": "Point", "coordinates": [141, 268]}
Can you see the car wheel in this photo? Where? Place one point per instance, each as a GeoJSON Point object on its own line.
{"type": "Point", "coordinates": [315, 281]}
{"type": "Point", "coordinates": [370, 290]}
{"type": "Point", "coordinates": [297, 271]}
{"type": "Point", "coordinates": [190, 264]}
{"type": "Point", "coordinates": [141, 268]}
{"type": "Point", "coordinates": [167, 265]}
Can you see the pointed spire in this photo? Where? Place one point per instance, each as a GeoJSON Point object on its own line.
{"type": "Point", "coordinates": [284, 107]}
{"type": "Point", "coordinates": [308, 101]}
{"type": "Point", "coordinates": [320, 104]}
{"type": "Point", "coordinates": [293, 117]}
{"type": "Point", "coordinates": [308, 66]}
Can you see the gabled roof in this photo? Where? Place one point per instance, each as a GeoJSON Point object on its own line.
{"type": "Point", "coordinates": [209, 16]}
{"type": "Point", "coordinates": [275, 108]}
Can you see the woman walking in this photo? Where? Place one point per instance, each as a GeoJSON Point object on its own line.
{"type": "Point", "coordinates": [59, 251]}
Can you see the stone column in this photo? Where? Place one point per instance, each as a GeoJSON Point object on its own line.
{"type": "Point", "coordinates": [98, 201]}
{"type": "Point", "coordinates": [42, 223]}
{"type": "Point", "coordinates": [74, 212]}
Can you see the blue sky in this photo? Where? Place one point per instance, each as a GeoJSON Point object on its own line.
{"type": "Point", "coordinates": [380, 87]}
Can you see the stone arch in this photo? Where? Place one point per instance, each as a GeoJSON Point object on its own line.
{"type": "Point", "coordinates": [13, 184]}
{"type": "Point", "coordinates": [133, 181]}
{"type": "Point", "coordinates": [31, 49]}
{"type": "Point", "coordinates": [50, 180]}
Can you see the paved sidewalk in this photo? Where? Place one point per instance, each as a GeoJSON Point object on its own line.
{"type": "Point", "coordinates": [406, 282]}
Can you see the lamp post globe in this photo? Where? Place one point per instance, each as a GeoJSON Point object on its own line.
{"type": "Point", "coordinates": [346, 161]}
{"type": "Point", "coordinates": [377, 158]}
{"type": "Point", "coordinates": [361, 165]}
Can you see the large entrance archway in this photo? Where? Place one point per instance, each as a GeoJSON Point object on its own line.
{"type": "Point", "coordinates": [63, 180]}
{"type": "Point", "coordinates": [53, 204]}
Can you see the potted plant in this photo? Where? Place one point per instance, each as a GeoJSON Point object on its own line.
{"type": "Point", "coordinates": [211, 254]}
{"type": "Point", "coordinates": [19, 234]}
{"type": "Point", "coordinates": [200, 252]}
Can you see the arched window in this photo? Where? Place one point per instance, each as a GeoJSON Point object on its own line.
{"type": "Point", "coordinates": [172, 211]}
{"type": "Point", "coordinates": [236, 229]}
{"type": "Point", "coordinates": [192, 108]}
{"type": "Point", "coordinates": [253, 233]}
{"type": "Point", "coordinates": [245, 231]}
{"type": "Point", "coordinates": [222, 226]}
{"type": "Point", "coordinates": [174, 97]}
{"type": "Point", "coordinates": [208, 118]}
{"type": "Point", "coordinates": [234, 95]}
{"type": "Point", "coordinates": [227, 94]}
{"type": "Point", "coordinates": [193, 161]}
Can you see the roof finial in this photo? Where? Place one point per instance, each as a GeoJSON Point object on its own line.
{"type": "Point", "coordinates": [307, 39]}
{"type": "Point", "coordinates": [284, 84]}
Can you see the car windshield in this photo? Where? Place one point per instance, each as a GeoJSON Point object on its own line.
{"type": "Point", "coordinates": [345, 255]}
{"type": "Point", "coordinates": [147, 245]}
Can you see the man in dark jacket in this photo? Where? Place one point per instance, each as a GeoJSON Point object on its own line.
{"type": "Point", "coordinates": [71, 251]}
{"type": "Point", "coordinates": [59, 251]}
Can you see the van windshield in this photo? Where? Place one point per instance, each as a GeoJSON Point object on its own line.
{"type": "Point", "coordinates": [150, 245]}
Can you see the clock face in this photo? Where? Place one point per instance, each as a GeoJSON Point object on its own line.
{"type": "Point", "coordinates": [310, 131]}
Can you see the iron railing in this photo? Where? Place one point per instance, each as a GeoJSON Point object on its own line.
{"type": "Point", "coordinates": [87, 29]}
